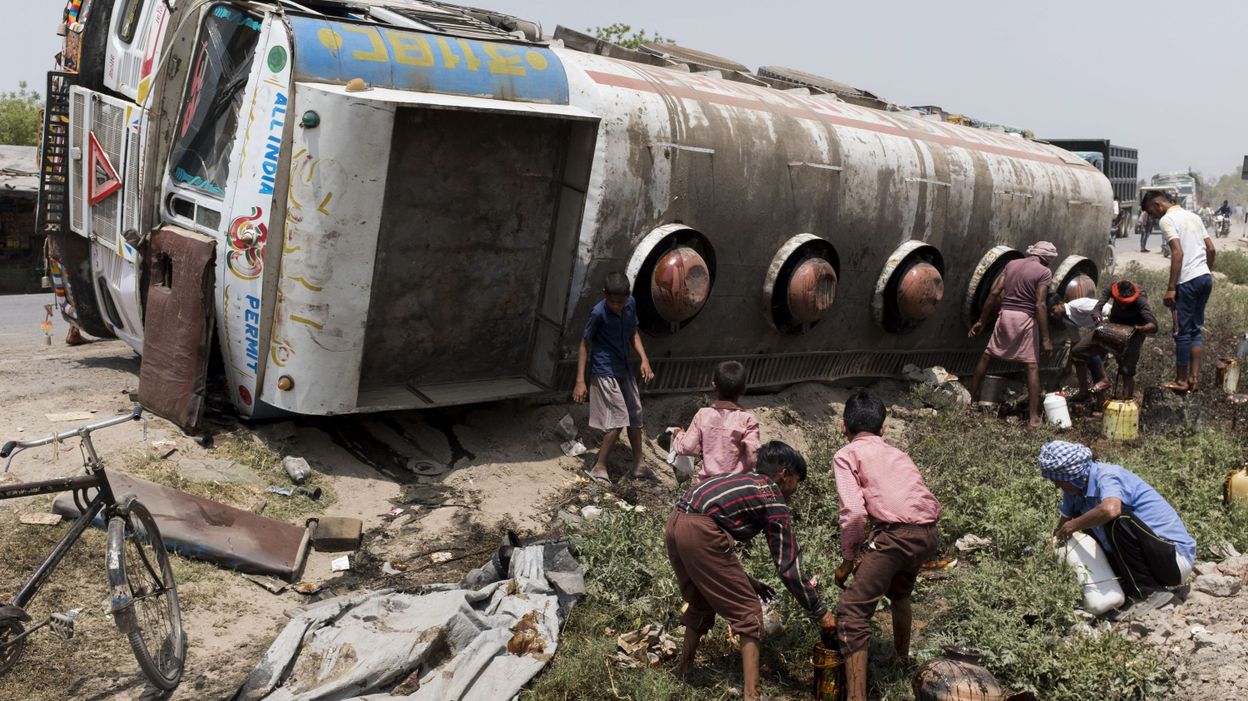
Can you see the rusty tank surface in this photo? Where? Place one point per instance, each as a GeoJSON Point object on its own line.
{"type": "Point", "coordinates": [424, 200]}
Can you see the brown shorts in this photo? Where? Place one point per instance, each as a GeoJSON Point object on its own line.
{"type": "Point", "coordinates": [710, 576]}
{"type": "Point", "coordinates": [889, 568]}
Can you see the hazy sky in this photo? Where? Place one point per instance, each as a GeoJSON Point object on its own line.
{"type": "Point", "coordinates": [1163, 77]}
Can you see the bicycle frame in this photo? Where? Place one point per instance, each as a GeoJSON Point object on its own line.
{"type": "Point", "coordinates": [96, 478]}
{"type": "Point", "coordinates": [102, 500]}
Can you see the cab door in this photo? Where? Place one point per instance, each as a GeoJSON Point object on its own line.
{"type": "Point", "coordinates": [178, 325]}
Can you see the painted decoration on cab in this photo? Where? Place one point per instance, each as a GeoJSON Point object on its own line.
{"type": "Point", "coordinates": [335, 52]}
{"type": "Point", "coordinates": [246, 237]}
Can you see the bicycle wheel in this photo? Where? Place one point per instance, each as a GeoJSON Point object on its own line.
{"type": "Point", "coordinates": [10, 651]}
{"type": "Point", "coordinates": [145, 597]}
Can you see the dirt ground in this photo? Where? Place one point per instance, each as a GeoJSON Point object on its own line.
{"type": "Point", "coordinates": [462, 478]}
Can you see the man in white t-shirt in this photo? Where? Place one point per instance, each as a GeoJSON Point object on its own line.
{"type": "Point", "coordinates": [1191, 281]}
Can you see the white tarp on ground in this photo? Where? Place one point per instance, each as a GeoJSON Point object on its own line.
{"type": "Point", "coordinates": [446, 643]}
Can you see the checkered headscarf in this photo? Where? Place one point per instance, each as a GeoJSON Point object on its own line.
{"type": "Point", "coordinates": [1061, 461]}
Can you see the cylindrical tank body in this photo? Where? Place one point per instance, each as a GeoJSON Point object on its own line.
{"type": "Point", "coordinates": [748, 167]}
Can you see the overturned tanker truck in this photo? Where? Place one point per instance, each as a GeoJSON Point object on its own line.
{"type": "Point", "coordinates": [375, 205]}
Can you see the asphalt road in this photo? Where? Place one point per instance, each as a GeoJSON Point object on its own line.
{"type": "Point", "coordinates": [20, 316]}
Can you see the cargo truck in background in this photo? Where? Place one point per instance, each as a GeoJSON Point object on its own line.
{"type": "Point", "coordinates": [1120, 165]}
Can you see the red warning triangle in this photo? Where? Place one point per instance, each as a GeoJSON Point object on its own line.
{"type": "Point", "coordinates": [103, 177]}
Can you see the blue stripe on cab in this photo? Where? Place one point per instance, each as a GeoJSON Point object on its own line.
{"type": "Point", "coordinates": [327, 51]}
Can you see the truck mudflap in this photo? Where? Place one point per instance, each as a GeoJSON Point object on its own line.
{"type": "Point", "coordinates": [178, 325]}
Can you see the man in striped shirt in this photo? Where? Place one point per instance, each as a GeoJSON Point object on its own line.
{"type": "Point", "coordinates": [700, 533]}
{"type": "Point", "coordinates": [878, 483]}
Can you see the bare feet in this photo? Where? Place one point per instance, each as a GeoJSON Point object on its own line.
{"type": "Point", "coordinates": [1178, 387]}
{"type": "Point", "coordinates": [1034, 422]}
{"type": "Point", "coordinates": [642, 472]}
{"type": "Point", "coordinates": [75, 337]}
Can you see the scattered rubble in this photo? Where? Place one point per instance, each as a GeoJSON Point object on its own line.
{"type": "Point", "coordinates": [1204, 636]}
{"type": "Point", "coordinates": [1217, 584]}
{"type": "Point", "coordinates": [649, 646]}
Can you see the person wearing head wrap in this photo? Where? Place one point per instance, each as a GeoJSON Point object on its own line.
{"type": "Point", "coordinates": [1130, 308]}
{"type": "Point", "coordinates": [1148, 546]}
{"type": "Point", "coordinates": [1020, 294]}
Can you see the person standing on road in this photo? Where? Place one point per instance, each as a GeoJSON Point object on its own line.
{"type": "Point", "coordinates": [1144, 226]}
{"type": "Point", "coordinates": [1021, 292]}
{"type": "Point", "coordinates": [1148, 546]}
{"type": "Point", "coordinates": [614, 401]}
{"type": "Point", "coordinates": [1191, 282]}
{"type": "Point", "coordinates": [699, 535]}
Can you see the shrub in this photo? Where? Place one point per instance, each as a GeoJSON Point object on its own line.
{"type": "Point", "coordinates": [1234, 265]}
{"type": "Point", "coordinates": [1019, 614]}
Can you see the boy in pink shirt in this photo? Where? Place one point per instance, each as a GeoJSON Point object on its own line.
{"type": "Point", "coordinates": [880, 487]}
{"type": "Point", "coordinates": [724, 435]}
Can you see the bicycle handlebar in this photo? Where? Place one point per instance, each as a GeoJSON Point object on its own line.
{"type": "Point", "coordinates": [17, 446]}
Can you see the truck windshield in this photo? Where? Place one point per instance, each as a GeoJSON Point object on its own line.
{"type": "Point", "coordinates": [221, 62]}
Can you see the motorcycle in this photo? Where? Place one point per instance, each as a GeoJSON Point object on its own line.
{"type": "Point", "coordinates": [1221, 225]}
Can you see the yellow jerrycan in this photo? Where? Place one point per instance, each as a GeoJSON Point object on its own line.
{"type": "Point", "coordinates": [1235, 491]}
{"type": "Point", "coordinates": [1122, 419]}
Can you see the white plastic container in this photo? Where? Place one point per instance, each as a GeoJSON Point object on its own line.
{"type": "Point", "coordinates": [1056, 411]}
{"type": "Point", "coordinates": [1101, 591]}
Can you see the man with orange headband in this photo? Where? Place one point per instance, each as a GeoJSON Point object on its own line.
{"type": "Point", "coordinates": [1130, 308]}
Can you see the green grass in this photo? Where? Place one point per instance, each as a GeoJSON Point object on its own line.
{"type": "Point", "coordinates": [1014, 601]}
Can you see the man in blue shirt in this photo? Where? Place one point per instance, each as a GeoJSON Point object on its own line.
{"type": "Point", "coordinates": [1147, 544]}
{"type": "Point", "coordinates": [614, 401]}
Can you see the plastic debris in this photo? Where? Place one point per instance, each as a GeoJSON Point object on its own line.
{"type": "Point", "coordinates": [298, 469]}
{"type": "Point", "coordinates": [773, 622]}
{"type": "Point", "coordinates": [441, 556]}
{"type": "Point", "coordinates": [340, 564]}
{"type": "Point", "coordinates": [566, 428]}
{"type": "Point", "coordinates": [590, 512]}
{"type": "Point", "coordinates": [389, 567]}
{"type": "Point", "coordinates": [40, 519]}
{"type": "Point", "coordinates": [649, 646]}
{"type": "Point", "coordinates": [284, 491]}
{"type": "Point", "coordinates": [573, 448]}
{"type": "Point", "coordinates": [971, 542]}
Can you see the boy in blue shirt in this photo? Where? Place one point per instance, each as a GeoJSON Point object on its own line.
{"type": "Point", "coordinates": [614, 401]}
{"type": "Point", "coordinates": [1147, 544]}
